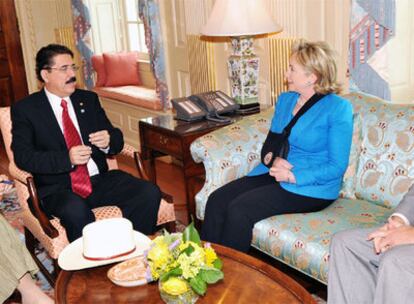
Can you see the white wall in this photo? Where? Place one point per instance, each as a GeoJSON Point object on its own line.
{"type": "Point", "coordinates": [37, 22]}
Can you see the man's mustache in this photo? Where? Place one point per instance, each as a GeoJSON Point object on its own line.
{"type": "Point", "coordinates": [72, 79]}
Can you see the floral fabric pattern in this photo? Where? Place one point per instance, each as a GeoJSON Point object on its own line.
{"type": "Point", "coordinates": [149, 13]}
{"type": "Point", "coordinates": [82, 29]}
{"type": "Point", "coordinates": [229, 153]}
{"type": "Point", "coordinates": [302, 240]}
{"type": "Point", "coordinates": [385, 169]}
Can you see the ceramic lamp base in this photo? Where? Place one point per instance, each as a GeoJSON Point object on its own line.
{"type": "Point", "coordinates": [243, 66]}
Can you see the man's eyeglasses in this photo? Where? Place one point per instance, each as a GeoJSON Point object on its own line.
{"type": "Point", "coordinates": [64, 68]}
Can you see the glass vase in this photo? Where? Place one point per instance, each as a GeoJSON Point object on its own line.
{"type": "Point", "coordinates": [188, 297]}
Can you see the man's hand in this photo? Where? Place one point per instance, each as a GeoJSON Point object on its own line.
{"type": "Point", "coordinates": [280, 170]}
{"type": "Point", "coordinates": [377, 236]}
{"type": "Point", "coordinates": [399, 236]}
{"type": "Point", "coordinates": [79, 155]}
{"type": "Point", "coordinates": [100, 139]}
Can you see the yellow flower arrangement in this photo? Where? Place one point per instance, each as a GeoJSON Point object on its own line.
{"type": "Point", "coordinates": [181, 262]}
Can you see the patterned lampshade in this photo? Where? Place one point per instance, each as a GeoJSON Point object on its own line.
{"type": "Point", "coordinates": [240, 18]}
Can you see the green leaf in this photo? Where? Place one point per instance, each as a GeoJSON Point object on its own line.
{"type": "Point", "coordinates": [172, 273]}
{"type": "Point", "coordinates": [211, 275]}
{"type": "Point", "coordinates": [191, 234]}
{"type": "Point", "coordinates": [198, 285]}
{"type": "Point", "coordinates": [218, 264]}
{"type": "Point", "coordinates": [190, 249]}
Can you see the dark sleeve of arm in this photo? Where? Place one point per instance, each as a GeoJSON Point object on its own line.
{"type": "Point", "coordinates": [27, 157]}
{"type": "Point", "coordinates": [116, 142]}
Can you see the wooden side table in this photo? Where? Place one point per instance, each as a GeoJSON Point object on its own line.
{"type": "Point", "coordinates": [163, 135]}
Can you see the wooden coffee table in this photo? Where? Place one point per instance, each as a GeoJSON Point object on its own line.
{"type": "Point", "coordinates": [246, 280]}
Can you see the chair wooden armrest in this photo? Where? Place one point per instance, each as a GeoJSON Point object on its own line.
{"type": "Point", "coordinates": [26, 179]}
{"type": "Point", "coordinates": [140, 166]}
{"type": "Point", "coordinates": [36, 209]}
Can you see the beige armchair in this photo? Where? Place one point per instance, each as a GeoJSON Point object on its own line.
{"type": "Point", "coordinates": [49, 233]}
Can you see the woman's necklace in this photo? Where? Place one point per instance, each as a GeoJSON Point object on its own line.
{"type": "Point", "coordinates": [299, 104]}
{"type": "Point", "coordinates": [301, 101]}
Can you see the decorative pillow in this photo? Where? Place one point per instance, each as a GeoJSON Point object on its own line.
{"type": "Point", "coordinates": [121, 69]}
{"type": "Point", "coordinates": [349, 180]}
{"type": "Point", "coordinates": [385, 170]}
{"type": "Point", "coordinates": [99, 67]}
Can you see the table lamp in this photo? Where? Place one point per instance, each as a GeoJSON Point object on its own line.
{"type": "Point", "coordinates": [241, 20]}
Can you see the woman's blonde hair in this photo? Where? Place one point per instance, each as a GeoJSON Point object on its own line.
{"type": "Point", "coordinates": [318, 58]}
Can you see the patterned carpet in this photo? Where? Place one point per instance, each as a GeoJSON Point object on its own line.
{"type": "Point", "coordinates": [10, 208]}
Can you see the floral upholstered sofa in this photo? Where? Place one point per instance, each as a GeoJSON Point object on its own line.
{"type": "Point", "coordinates": [380, 172]}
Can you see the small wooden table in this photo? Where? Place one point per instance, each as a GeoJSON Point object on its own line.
{"type": "Point", "coordinates": [246, 280]}
{"type": "Point", "coordinates": [164, 135]}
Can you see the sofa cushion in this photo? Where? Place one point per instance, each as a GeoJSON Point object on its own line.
{"type": "Point", "coordinates": [302, 240]}
{"type": "Point", "coordinates": [121, 69]}
{"type": "Point", "coordinates": [349, 179]}
{"type": "Point", "coordinates": [384, 172]}
{"type": "Point", "coordinates": [134, 95]}
{"type": "Point", "coordinates": [99, 67]}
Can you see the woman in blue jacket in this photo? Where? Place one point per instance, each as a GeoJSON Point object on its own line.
{"type": "Point", "coordinates": [310, 178]}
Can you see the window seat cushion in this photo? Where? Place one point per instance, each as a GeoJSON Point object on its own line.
{"type": "Point", "coordinates": [134, 95]}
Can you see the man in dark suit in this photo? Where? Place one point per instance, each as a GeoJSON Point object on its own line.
{"type": "Point", "coordinates": [62, 136]}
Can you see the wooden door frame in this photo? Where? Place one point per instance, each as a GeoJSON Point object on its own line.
{"type": "Point", "coordinates": [10, 27]}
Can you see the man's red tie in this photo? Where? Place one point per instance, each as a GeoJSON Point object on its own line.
{"type": "Point", "coordinates": [81, 183]}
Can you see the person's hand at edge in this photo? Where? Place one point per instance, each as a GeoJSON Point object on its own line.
{"type": "Point", "coordinates": [394, 222]}
{"type": "Point", "coordinates": [100, 139]}
{"type": "Point", "coordinates": [79, 155]}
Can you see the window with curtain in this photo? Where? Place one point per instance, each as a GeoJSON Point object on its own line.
{"type": "Point", "coordinates": [134, 28]}
{"type": "Point", "coordinates": [116, 27]}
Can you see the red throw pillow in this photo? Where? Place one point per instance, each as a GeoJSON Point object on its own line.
{"type": "Point", "coordinates": [99, 67]}
{"type": "Point", "coordinates": [121, 69]}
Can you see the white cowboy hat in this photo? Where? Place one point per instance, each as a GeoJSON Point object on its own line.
{"type": "Point", "coordinates": [103, 242]}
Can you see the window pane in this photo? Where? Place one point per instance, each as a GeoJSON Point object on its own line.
{"type": "Point", "coordinates": [142, 39]}
{"type": "Point", "coordinates": [131, 10]}
{"type": "Point", "coordinates": [133, 37]}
